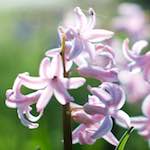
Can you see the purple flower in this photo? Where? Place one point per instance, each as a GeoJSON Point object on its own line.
{"type": "Point", "coordinates": [135, 86]}
{"type": "Point", "coordinates": [142, 123]}
{"type": "Point", "coordinates": [15, 99]}
{"type": "Point", "coordinates": [132, 20]}
{"type": "Point", "coordinates": [138, 61]}
{"type": "Point", "coordinates": [83, 134]}
{"type": "Point", "coordinates": [102, 67]}
{"type": "Point", "coordinates": [107, 100]}
{"type": "Point", "coordinates": [51, 81]}
{"type": "Point", "coordinates": [83, 34]}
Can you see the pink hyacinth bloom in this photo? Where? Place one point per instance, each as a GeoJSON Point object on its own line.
{"type": "Point", "coordinates": [137, 60]}
{"type": "Point", "coordinates": [142, 123]}
{"type": "Point", "coordinates": [102, 67]}
{"type": "Point", "coordinates": [108, 100]}
{"type": "Point", "coordinates": [83, 34]}
{"type": "Point", "coordinates": [15, 99]}
{"type": "Point", "coordinates": [132, 20]}
{"type": "Point", "coordinates": [52, 81]}
{"type": "Point", "coordinates": [83, 134]}
{"type": "Point", "coordinates": [134, 85]}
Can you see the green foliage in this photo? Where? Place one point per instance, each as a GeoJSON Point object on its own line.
{"type": "Point", "coordinates": [124, 139]}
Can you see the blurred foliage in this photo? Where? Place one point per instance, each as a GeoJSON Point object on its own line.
{"type": "Point", "coordinates": [24, 37]}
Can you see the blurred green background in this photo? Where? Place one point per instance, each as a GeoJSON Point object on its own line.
{"type": "Point", "coordinates": [27, 30]}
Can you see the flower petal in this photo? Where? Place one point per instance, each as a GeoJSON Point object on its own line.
{"type": "Point", "coordinates": [138, 46]}
{"type": "Point", "coordinates": [92, 110]}
{"type": "Point", "coordinates": [34, 83]}
{"type": "Point", "coordinates": [109, 137]}
{"type": "Point", "coordinates": [53, 52]}
{"type": "Point", "coordinates": [98, 35]}
{"type": "Point", "coordinates": [25, 122]}
{"type": "Point", "coordinates": [122, 118]}
{"type": "Point", "coordinates": [44, 99]}
{"type": "Point", "coordinates": [76, 49]}
{"type": "Point", "coordinates": [56, 67]}
{"type": "Point", "coordinates": [81, 18]}
{"type": "Point", "coordinates": [73, 83]}
{"type": "Point", "coordinates": [146, 106]}
{"type": "Point", "coordinates": [99, 73]}
{"type": "Point", "coordinates": [105, 128]}
{"type": "Point", "coordinates": [62, 94]}
{"type": "Point", "coordinates": [45, 68]}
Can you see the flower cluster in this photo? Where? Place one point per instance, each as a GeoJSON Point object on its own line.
{"type": "Point", "coordinates": [84, 49]}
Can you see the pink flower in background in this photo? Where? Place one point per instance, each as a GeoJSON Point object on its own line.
{"type": "Point", "coordinates": [135, 86]}
{"type": "Point", "coordinates": [142, 123]}
{"type": "Point", "coordinates": [131, 19]}
{"type": "Point", "coordinates": [51, 81]}
{"type": "Point", "coordinates": [83, 134]}
{"type": "Point", "coordinates": [15, 99]}
{"type": "Point", "coordinates": [136, 59]}
{"type": "Point", "coordinates": [107, 100]}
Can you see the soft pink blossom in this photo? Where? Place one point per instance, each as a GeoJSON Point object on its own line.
{"type": "Point", "coordinates": [51, 81]}
{"type": "Point", "coordinates": [136, 59]}
{"type": "Point", "coordinates": [142, 123]}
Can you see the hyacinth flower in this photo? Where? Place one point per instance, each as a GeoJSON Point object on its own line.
{"type": "Point", "coordinates": [52, 81]}
{"type": "Point", "coordinates": [102, 68]}
{"type": "Point", "coordinates": [135, 86]}
{"type": "Point", "coordinates": [136, 59]}
{"type": "Point", "coordinates": [142, 123]}
{"type": "Point", "coordinates": [83, 34]}
{"type": "Point", "coordinates": [132, 20]}
{"type": "Point", "coordinates": [15, 99]}
{"type": "Point", "coordinates": [89, 124]}
{"type": "Point", "coordinates": [108, 99]}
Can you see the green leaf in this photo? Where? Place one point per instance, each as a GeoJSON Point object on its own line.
{"type": "Point", "coordinates": [124, 139]}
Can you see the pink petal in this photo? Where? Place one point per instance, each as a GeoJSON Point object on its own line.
{"type": "Point", "coordinates": [44, 99]}
{"type": "Point", "coordinates": [92, 110]}
{"type": "Point", "coordinates": [53, 52]}
{"type": "Point", "coordinates": [76, 49]}
{"type": "Point", "coordinates": [81, 18]}
{"type": "Point", "coordinates": [76, 132]}
{"type": "Point", "coordinates": [98, 35]}
{"type": "Point", "coordinates": [56, 67]}
{"type": "Point", "coordinates": [99, 73]}
{"type": "Point", "coordinates": [128, 53]}
{"type": "Point", "coordinates": [35, 83]}
{"type": "Point", "coordinates": [92, 19]}
{"type": "Point", "coordinates": [90, 48]}
{"type": "Point", "coordinates": [62, 94]}
{"type": "Point", "coordinates": [146, 106]}
{"type": "Point", "coordinates": [138, 122]}
{"type": "Point", "coordinates": [122, 118]}
{"type": "Point", "coordinates": [105, 128]}
{"type": "Point", "coordinates": [45, 68]}
{"type": "Point", "coordinates": [25, 122]}
{"type": "Point", "coordinates": [117, 93]}
{"type": "Point", "coordinates": [146, 72]}
{"type": "Point", "coordinates": [109, 137]}
{"type": "Point", "coordinates": [73, 83]}
{"type": "Point", "coordinates": [138, 46]}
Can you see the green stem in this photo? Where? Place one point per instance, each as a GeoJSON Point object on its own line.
{"type": "Point", "coordinates": [67, 133]}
